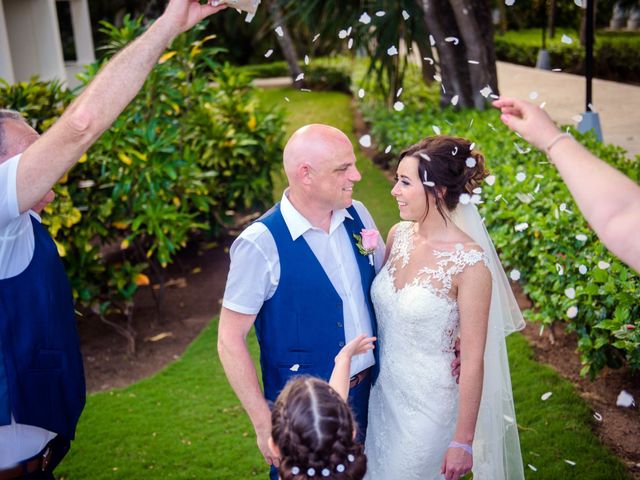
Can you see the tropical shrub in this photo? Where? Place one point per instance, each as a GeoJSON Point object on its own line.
{"type": "Point", "coordinates": [193, 147]}
{"type": "Point", "coordinates": [542, 238]}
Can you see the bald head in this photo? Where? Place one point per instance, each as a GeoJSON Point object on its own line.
{"type": "Point", "coordinates": [314, 144]}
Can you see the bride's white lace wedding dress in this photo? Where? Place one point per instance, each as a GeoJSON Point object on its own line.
{"type": "Point", "coordinates": [413, 404]}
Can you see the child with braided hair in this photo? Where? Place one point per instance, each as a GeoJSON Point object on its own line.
{"type": "Point", "coordinates": [313, 430]}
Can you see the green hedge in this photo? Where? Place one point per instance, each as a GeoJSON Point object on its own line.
{"type": "Point", "coordinates": [616, 55]}
{"type": "Point", "coordinates": [548, 254]}
{"type": "Point", "coordinates": [181, 160]}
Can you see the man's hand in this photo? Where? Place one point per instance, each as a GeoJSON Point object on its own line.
{"type": "Point", "coordinates": [455, 364]}
{"type": "Point", "coordinates": [530, 121]}
{"type": "Point", "coordinates": [262, 439]}
{"type": "Point", "coordinates": [181, 15]}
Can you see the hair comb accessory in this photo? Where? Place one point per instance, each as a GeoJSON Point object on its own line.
{"type": "Point", "coordinates": [340, 468]}
{"type": "Point", "coordinates": [351, 458]}
{"type": "Point", "coordinates": [295, 470]}
{"type": "Point", "coordinates": [326, 472]}
{"type": "Point", "coordinates": [311, 472]}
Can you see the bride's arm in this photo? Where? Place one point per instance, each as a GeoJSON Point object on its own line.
{"type": "Point", "coordinates": [340, 376]}
{"type": "Point", "coordinates": [474, 298]}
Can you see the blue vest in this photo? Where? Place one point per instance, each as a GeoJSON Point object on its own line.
{"type": "Point", "coordinates": [41, 374]}
{"type": "Point", "coordinates": [302, 324]}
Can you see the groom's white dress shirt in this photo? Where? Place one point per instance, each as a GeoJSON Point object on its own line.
{"type": "Point", "coordinates": [17, 442]}
{"type": "Point", "coordinates": [255, 268]}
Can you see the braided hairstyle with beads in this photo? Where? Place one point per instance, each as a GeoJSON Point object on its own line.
{"type": "Point", "coordinates": [314, 429]}
{"type": "Point", "coordinates": [449, 168]}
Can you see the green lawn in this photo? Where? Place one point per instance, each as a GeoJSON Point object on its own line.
{"type": "Point", "coordinates": [185, 422]}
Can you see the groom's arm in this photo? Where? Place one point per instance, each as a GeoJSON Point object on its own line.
{"type": "Point", "coordinates": [238, 366]}
{"type": "Point", "coordinates": [95, 109]}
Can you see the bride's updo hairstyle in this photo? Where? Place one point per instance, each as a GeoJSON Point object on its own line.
{"type": "Point", "coordinates": [448, 167]}
{"type": "Point", "coordinates": [313, 428]}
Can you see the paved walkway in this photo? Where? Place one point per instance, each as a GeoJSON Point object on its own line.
{"type": "Point", "coordinates": [617, 104]}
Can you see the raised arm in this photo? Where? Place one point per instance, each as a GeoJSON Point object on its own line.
{"type": "Point", "coordinates": [238, 365]}
{"type": "Point", "coordinates": [609, 200]}
{"type": "Point", "coordinates": [474, 299]}
{"type": "Point", "coordinates": [339, 380]}
{"type": "Point", "coordinates": [47, 159]}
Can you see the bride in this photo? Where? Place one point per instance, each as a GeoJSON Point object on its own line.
{"type": "Point", "coordinates": [442, 280]}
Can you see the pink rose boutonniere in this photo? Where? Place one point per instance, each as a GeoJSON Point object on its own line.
{"type": "Point", "coordinates": [367, 242]}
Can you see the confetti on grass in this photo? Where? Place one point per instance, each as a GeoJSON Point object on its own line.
{"type": "Point", "coordinates": [545, 396]}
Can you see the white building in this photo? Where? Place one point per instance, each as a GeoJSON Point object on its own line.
{"type": "Point", "coordinates": [30, 42]}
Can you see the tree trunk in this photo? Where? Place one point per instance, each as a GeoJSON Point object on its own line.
{"type": "Point", "coordinates": [428, 66]}
{"type": "Point", "coordinates": [553, 13]}
{"type": "Point", "coordinates": [286, 44]}
{"type": "Point", "coordinates": [474, 23]}
{"type": "Point", "coordinates": [454, 69]}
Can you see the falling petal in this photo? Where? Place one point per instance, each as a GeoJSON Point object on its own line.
{"type": "Point", "coordinates": [545, 396]}
{"type": "Point", "coordinates": [306, 59]}
{"type": "Point", "coordinates": [465, 198]}
{"type": "Point", "coordinates": [380, 13]}
{"type": "Point", "coordinates": [365, 141]}
{"type": "Point", "coordinates": [486, 91]}
{"type": "Point", "coordinates": [398, 106]}
{"type": "Point", "coordinates": [514, 275]}
{"type": "Point", "coordinates": [559, 269]}
{"type": "Point", "coordinates": [436, 129]}
{"type": "Point", "coordinates": [556, 69]}
{"type": "Point", "coordinates": [350, 43]}
{"type": "Point", "coordinates": [471, 162]}
{"type": "Point", "coordinates": [521, 227]}
{"type": "Point", "coordinates": [349, 30]}
{"type": "Point", "coordinates": [521, 177]}
{"type": "Point", "coordinates": [361, 93]}
{"type": "Point", "coordinates": [491, 179]}
{"type": "Point", "coordinates": [388, 149]}
{"type": "Point", "coordinates": [315, 37]}
{"type": "Point", "coordinates": [295, 368]}
{"type": "Point", "coordinates": [287, 99]}
{"type": "Point", "coordinates": [279, 31]}
{"type": "Point", "coordinates": [473, 62]}
{"type": "Point", "coordinates": [572, 312]}
{"type": "Point", "coordinates": [508, 418]}
{"type": "Point", "coordinates": [399, 92]}
{"type": "Point", "coordinates": [509, 3]}
{"type": "Point", "coordinates": [581, 237]}
{"type": "Point", "coordinates": [365, 18]}
{"type": "Point", "coordinates": [425, 156]}
{"type": "Point", "coordinates": [453, 40]}
{"type": "Point", "coordinates": [342, 34]}
{"type": "Point", "coordinates": [300, 77]}
{"type": "Point", "coordinates": [392, 50]}
{"type": "Point", "coordinates": [476, 199]}
{"type": "Point", "coordinates": [577, 118]}
{"type": "Point", "coordinates": [533, 95]}
{"type": "Point", "coordinates": [570, 293]}
{"type": "Point", "coordinates": [437, 78]}
{"type": "Point", "coordinates": [566, 39]}
{"type": "Point", "coordinates": [602, 265]}
{"type": "Point", "coordinates": [582, 269]}
{"type": "Point", "coordinates": [477, 190]}
{"type": "Point", "coordinates": [429, 60]}
{"type": "Point", "coordinates": [269, 53]}
{"type": "Point", "coordinates": [597, 416]}
{"type": "Point", "coordinates": [532, 467]}
{"type": "Point", "coordinates": [405, 15]}
{"type": "Point", "coordinates": [570, 462]}
{"type": "Point", "coordinates": [454, 100]}
{"type": "Point", "coordinates": [432, 41]}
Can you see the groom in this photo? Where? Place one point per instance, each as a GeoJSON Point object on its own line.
{"type": "Point", "coordinates": [297, 275]}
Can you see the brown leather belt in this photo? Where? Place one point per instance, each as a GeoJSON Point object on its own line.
{"type": "Point", "coordinates": [358, 378]}
{"type": "Point", "coordinates": [35, 464]}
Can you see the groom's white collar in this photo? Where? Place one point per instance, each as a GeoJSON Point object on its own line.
{"type": "Point", "coordinates": [298, 224]}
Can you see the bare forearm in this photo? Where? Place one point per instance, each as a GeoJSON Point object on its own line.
{"type": "Point", "coordinates": [471, 378]}
{"type": "Point", "coordinates": [339, 380]}
{"type": "Point", "coordinates": [608, 199]}
{"type": "Point", "coordinates": [242, 376]}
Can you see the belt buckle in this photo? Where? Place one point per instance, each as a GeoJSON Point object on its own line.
{"type": "Point", "coordinates": [46, 459]}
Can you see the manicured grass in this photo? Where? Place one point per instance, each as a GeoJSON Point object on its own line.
{"type": "Point", "coordinates": [185, 422]}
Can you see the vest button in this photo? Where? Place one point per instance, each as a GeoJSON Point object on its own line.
{"type": "Point", "coordinates": [341, 344]}
{"type": "Point", "coordinates": [339, 324]}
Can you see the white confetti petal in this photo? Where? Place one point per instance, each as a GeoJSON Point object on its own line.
{"type": "Point", "coordinates": [269, 53]}
{"type": "Point", "coordinates": [86, 183]}
{"type": "Point", "coordinates": [509, 3]}
{"type": "Point", "coordinates": [491, 179]}
{"type": "Point", "coordinates": [399, 92]}
{"type": "Point", "coordinates": [436, 129]}
{"type": "Point", "coordinates": [556, 69]}
{"type": "Point", "coordinates": [453, 40]}
{"type": "Point", "coordinates": [425, 156]}
{"type": "Point", "coordinates": [545, 396]}
{"type": "Point", "coordinates": [532, 467]}
{"type": "Point", "coordinates": [582, 269]}
{"type": "Point", "coordinates": [602, 265]}
{"type": "Point", "coordinates": [577, 118]}
{"type": "Point", "coordinates": [287, 99]}
{"type": "Point", "coordinates": [570, 292]}
{"type": "Point", "coordinates": [581, 237]}
{"type": "Point", "coordinates": [597, 416]}
{"type": "Point", "coordinates": [361, 93]}
{"type": "Point", "coordinates": [521, 151]}
{"type": "Point", "coordinates": [405, 15]}
{"type": "Point", "coordinates": [350, 43]}
{"type": "Point", "coordinates": [279, 31]}
{"type": "Point", "coordinates": [465, 198]}
{"type": "Point", "coordinates": [306, 59]}
{"type": "Point", "coordinates": [472, 146]}
{"type": "Point", "coordinates": [388, 149]}
{"type": "Point", "coordinates": [578, 3]}
{"type": "Point", "coordinates": [533, 95]}
{"type": "Point", "coordinates": [454, 100]}
{"type": "Point", "coordinates": [429, 60]}
{"type": "Point", "coordinates": [521, 227]}
{"type": "Point", "coordinates": [454, 151]}
{"type": "Point", "coordinates": [473, 62]}
{"type": "Point", "coordinates": [625, 399]}
{"type": "Point", "coordinates": [570, 462]}
{"type": "Point", "coordinates": [476, 199]}
{"type": "Point", "coordinates": [380, 13]}
{"type": "Point", "coordinates": [315, 37]}
{"type": "Point", "coordinates": [365, 18]}
{"type": "Point", "coordinates": [432, 41]}
{"type": "Point", "coordinates": [508, 418]}
{"type": "Point", "coordinates": [437, 78]}
{"type": "Point", "coordinates": [514, 275]}
{"type": "Point", "coordinates": [566, 39]}
{"type": "Point", "coordinates": [486, 91]}
{"type": "Point", "coordinates": [300, 77]}
{"type": "Point", "coordinates": [398, 106]}
{"type": "Point", "coordinates": [521, 176]}
{"type": "Point", "coordinates": [471, 162]}
{"type": "Point", "coordinates": [572, 312]}
{"type": "Point", "coordinates": [342, 34]}
{"type": "Point", "coordinates": [349, 30]}
{"type": "Point", "coordinates": [295, 368]}
{"type": "Point", "coordinates": [559, 269]}
{"type": "Point", "coordinates": [365, 141]}
{"type": "Point", "coordinates": [392, 50]}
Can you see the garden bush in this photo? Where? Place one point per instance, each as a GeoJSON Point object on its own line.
{"type": "Point", "coordinates": [180, 160]}
{"type": "Point", "coordinates": [562, 266]}
{"type": "Point", "coordinates": [319, 75]}
{"type": "Point", "coordinates": [616, 55]}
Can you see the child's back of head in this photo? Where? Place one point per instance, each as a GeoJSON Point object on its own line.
{"type": "Point", "coordinates": [313, 428]}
